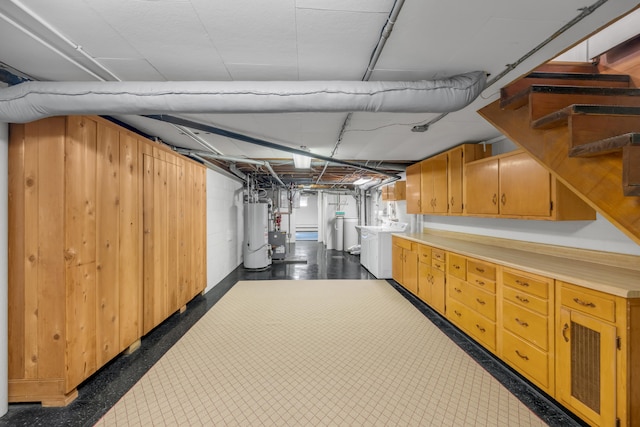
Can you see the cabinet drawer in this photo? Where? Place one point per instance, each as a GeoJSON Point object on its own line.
{"type": "Point", "coordinates": [424, 254]}
{"type": "Point", "coordinates": [460, 290]}
{"type": "Point", "coordinates": [482, 269]}
{"type": "Point", "coordinates": [524, 299]}
{"type": "Point", "coordinates": [526, 324]}
{"type": "Point", "coordinates": [403, 243]}
{"type": "Point", "coordinates": [438, 254]}
{"type": "Point", "coordinates": [482, 329]}
{"type": "Point", "coordinates": [437, 264]}
{"type": "Point", "coordinates": [601, 305]}
{"type": "Point", "coordinates": [484, 303]}
{"type": "Point", "coordinates": [533, 362]}
{"type": "Point", "coordinates": [457, 266]}
{"type": "Point", "coordinates": [481, 282]}
{"type": "Point", "coordinates": [535, 286]}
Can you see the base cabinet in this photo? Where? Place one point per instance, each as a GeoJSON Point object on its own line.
{"type": "Point", "coordinates": [579, 345]}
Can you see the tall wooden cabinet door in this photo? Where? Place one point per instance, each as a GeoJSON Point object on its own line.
{"type": "Point", "coordinates": [397, 263]}
{"type": "Point", "coordinates": [410, 270]}
{"type": "Point", "coordinates": [439, 176]}
{"type": "Point", "coordinates": [424, 282]}
{"type": "Point", "coordinates": [454, 178]}
{"type": "Point", "coordinates": [426, 186]}
{"type": "Point", "coordinates": [586, 366]}
{"type": "Point", "coordinates": [525, 187]}
{"type": "Point", "coordinates": [413, 188]}
{"type": "Point", "coordinates": [482, 187]}
{"type": "Point", "coordinates": [438, 290]}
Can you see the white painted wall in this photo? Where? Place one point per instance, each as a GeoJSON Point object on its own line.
{"type": "Point", "coordinates": [4, 288]}
{"type": "Point", "coordinates": [225, 229]}
{"type": "Point", "coordinates": [308, 216]}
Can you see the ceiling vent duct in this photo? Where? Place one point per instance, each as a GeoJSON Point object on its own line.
{"type": "Point", "coordinates": [30, 101]}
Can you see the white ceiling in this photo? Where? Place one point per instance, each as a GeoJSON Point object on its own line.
{"type": "Point", "coordinates": [159, 40]}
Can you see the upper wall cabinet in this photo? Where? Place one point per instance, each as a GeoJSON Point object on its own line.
{"type": "Point", "coordinates": [435, 185]}
{"type": "Point", "coordinates": [514, 185]}
{"type": "Point", "coordinates": [395, 191]}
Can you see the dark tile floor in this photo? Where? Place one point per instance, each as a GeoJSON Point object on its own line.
{"type": "Point", "coordinates": [307, 260]}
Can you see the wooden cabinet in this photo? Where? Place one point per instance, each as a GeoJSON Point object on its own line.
{"type": "Point", "coordinates": [456, 159]}
{"type": "Point", "coordinates": [597, 355]}
{"type": "Point", "coordinates": [527, 333]}
{"type": "Point", "coordinates": [436, 185]}
{"type": "Point", "coordinates": [413, 186]}
{"type": "Point", "coordinates": [431, 277]}
{"type": "Point", "coordinates": [514, 185]}
{"type": "Point", "coordinates": [395, 191]}
{"type": "Point", "coordinates": [75, 251]}
{"type": "Point", "coordinates": [471, 300]}
{"type": "Point", "coordinates": [433, 185]}
{"type": "Point", "coordinates": [405, 263]}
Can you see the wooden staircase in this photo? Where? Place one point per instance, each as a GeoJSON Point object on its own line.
{"type": "Point", "coordinates": [584, 126]}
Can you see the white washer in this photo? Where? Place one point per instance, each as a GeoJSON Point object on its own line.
{"type": "Point", "coordinates": [376, 247]}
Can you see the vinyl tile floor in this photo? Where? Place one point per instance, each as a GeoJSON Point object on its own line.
{"type": "Point", "coordinates": [306, 260]}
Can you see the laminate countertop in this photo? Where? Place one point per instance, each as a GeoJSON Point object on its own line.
{"type": "Point", "coordinates": [623, 282]}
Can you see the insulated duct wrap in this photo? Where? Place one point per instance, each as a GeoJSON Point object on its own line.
{"type": "Point", "coordinates": [30, 101]}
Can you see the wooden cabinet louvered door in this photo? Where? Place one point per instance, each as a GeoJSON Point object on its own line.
{"type": "Point", "coordinates": [587, 366]}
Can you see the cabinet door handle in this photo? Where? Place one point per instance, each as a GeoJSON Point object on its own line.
{"type": "Point", "coordinates": [457, 313]}
{"type": "Point", "coordinates": [521, 299]}
{"type": "Point", "coordinates": [495, 199]}
{"type": "Point", "coordinates": [521, 283]}
{"type": "Point", "coordinates": [584, 303]}
{"type": "Point", "coordinates": [419, 203]}
{"type": "Point", "coordinates": [480, 282]}
{"type": "Point", "coordinates": [437, 266]}
{"type": "Point", "coordinates": [452, 204]}
{"type": "Point", "coordinates": [480, 301]}
{"type": "Point", "coordinates": [480, 328]}
{"type": "Point", "coordinates": [457, 290]}
{"type": "Point", "coordinates": [521, 323]}
{"type": "Point", "coordinates": [522, 356]}
{"type": "Point", "coordinates": [503, 199]}
{"type": "Point", "coordinates": [565, 328]}
{"type": "Point", "coordinates": [456, 266]}
{"type": "Point", "coordinates": [480, 270]}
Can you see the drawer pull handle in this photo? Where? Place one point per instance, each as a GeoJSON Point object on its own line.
{"type": "Point", "coordinates": [481, 270]}
{"type": "Point", "coordinates": [457, 290]}
{"type": "Point", "coordinates": [521, 323]}
{"type": "Point", "coordinates": [480, 328]}
{"type": "Point", "coordinates": [437, 266]}
{"type": "Point", "coordinates": [480, 301]}
{"type": "Point", "coordinates": [522, 356]}
{"type": "Point", "coordinates": [584, 303]}
{"type": "Point", "coordinates": [457, 267]}
{"type": "Point", "coordinates": [565, 328]}
{"type": "Point", "coordinates": [457, 313]}
{"type": "Point", "coordinates": [480, 282]}
{"type": "Point", "coordinates": [521, 283]}
{"type": "Point", "coordinates": [522, 299]}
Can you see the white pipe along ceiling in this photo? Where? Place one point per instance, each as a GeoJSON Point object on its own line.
{"type": "Point", "coordinates": [30, 101]}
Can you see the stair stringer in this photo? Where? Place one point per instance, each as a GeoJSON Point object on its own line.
{"type": "Point", "coordinates": [596, 180]}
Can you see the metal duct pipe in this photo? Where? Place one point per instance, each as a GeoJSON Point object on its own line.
{"type": "Point", "coordinates": [30, 101]}
{"type": "Point", "coordinates": [233, 168]}
{"type": "Point", "coordinates": [199, 154]}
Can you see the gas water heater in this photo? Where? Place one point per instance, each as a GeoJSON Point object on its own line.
{"type": "Point", "coordinates": [256, 232]}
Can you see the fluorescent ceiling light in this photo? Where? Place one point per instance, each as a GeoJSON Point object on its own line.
{"type": "Point", "coordinates": [361, 181]}
{"type": "Point", "coordinates": [301, 161]}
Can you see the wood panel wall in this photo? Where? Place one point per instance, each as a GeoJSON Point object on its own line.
{"type": "Point", "coordinates": [104, 227]}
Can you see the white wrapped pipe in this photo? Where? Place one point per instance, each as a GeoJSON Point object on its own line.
{"type": "Point", "coordinates": [30, 101]}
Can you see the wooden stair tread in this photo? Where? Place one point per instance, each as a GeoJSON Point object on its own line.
{"type": "Point", "coordinates": [561, 117]}
{"type": "Point", "coordinates": [605, 146]}
{"type": "Point", "coordinates": [600, 94]}
{"type": "Point", "coordinates": [568, 67]}
{"type": "Point", "coordinates": [564, 79]}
